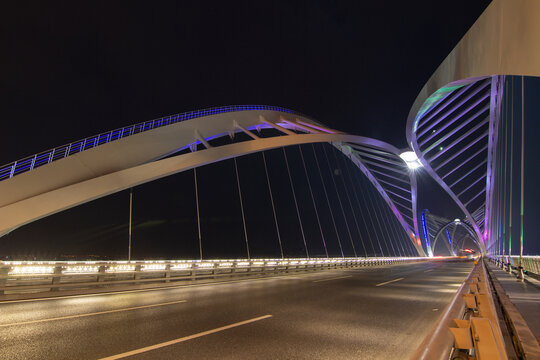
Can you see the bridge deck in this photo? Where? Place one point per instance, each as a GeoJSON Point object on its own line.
{"type": "Point", "coordinates": [381, 312]}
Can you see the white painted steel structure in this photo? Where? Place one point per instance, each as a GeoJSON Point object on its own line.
{"type": "Point", "coordinates": [459, 106]}
{"type": "Point", "coordinates": [113, 166]}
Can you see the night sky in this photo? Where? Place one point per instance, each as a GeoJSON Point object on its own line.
{"type": "Point", "coordinates": [73, 69]}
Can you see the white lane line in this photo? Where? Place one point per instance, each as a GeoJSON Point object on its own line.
{"type": "Point", "coordinates": [335, 278]}
{"type": "Point", "coordinates": [92, 314]}
{"type": "Point", "coordinates": [284, 277]}
{"type": "Point", "coordinates": [388, 282]}
{"type": "Point", "coordinates": [428, 270]}
{"type": "Point", "coordinates": [182, 339]}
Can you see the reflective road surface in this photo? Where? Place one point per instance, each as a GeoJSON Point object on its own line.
{"type": "Point", "coordinates": [366, 313]}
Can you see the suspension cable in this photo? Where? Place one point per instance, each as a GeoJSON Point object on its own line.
{"type": "Point", "coordinates": [511, 173]}
{"type": "Point", "coordinates": [339, 200]}
{"type": "Point", "coordinates": [360, 207]}
{"type": "Point", "coordinates": [327, 200]}
{"type": "Point", "coordinates": [378, 200]}
{"type": "Point", "coordinates": [198, 216]}
{"type": "Point", "coordinates": [313, 199]}
{"type": "Point", "coordinates": [242, 208]}
{"type": "Point", "coordinates": [369, 212]}
{"type": "Point", "coordinates": [522, 173]}
{"type": "Point", "coordinates": [295, 202]}
{"type": "Point", "coordinates": [349, 197]}
{"type": "Point", "coordinates": [272, 201]}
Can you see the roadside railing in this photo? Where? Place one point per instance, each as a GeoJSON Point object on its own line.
{"type": "Point", "coordinates": [469, 327]}
{"type": "Point", "coordinates": [43, 276]}
{"type": "Point", "coordinates": [530, 264]}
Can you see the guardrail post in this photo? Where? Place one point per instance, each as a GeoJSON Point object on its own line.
{"type": "Point", "coordinates": [193, 272]}
{"type": "Point", "coordinates": [57, 275]}
{"type": "Point", "coordinates": [101, 274]}
{"type": "Point", "coordinates": [4, 271]}
{"type": "Point", "coordinates": [137, 274]}
{"type": "Point", "coordinates": [168, 273]}
{"type": "Point", "coordinates": [214, 270]}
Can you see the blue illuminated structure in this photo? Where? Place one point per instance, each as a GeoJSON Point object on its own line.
{"type": "Point", "coordinates": [426, 235]}
{"type": "Point", "coordinates": [31, 162]}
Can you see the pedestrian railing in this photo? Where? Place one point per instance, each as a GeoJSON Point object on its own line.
{"type": "Point", "coordinates": [530, 264]}
{"type": "Point", "coordinates": [43, 276]}
{"type": "Point", "coordinates": [29, 163]}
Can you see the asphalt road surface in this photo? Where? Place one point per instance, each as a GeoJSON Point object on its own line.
{"type": "Point", "coordinates": [367, 313]}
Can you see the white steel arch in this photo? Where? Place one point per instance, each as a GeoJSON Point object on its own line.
{"type": "Point", "coordinates": [140, 158]}
{"type": "Point", "coordinates": [503, 41]}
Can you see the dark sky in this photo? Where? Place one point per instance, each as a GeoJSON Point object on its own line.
{"type": "Point", "coordinates": [73, 69]}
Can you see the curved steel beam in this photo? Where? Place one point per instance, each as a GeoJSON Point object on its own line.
{"type": "Point", "coordinates": [38, 206]}
{"type": "Point", "coordinates": [467, 227]}
{"type": "Point", "coordinates": [503, 41]}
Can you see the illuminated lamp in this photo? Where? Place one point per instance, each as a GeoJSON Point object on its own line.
{"type": "Point", "coordinates": [410, 159]}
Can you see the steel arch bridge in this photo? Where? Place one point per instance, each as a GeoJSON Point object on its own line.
{"type": "Point", "coordinates": [91, 168]}
{"type": "Point", "coordinates": [456, 124]}
{"type": "Point", "coordinates": [451, 232]}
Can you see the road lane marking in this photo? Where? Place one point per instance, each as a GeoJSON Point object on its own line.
{"type": "Point", "coordinates": [182, 339]}
{"type": "Point", "coordinates": [335, 278]}
{"type": "Point", "coordinates": [428, 270]}
{"type": "Point", "coordinates": [93, 314]}
{"type": "Point", "coordinates": [388, 282]}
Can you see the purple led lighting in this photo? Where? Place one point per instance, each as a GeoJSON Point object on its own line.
{"type": "Point", "coordinates": [422, 122]}
{"type": "Point", "coordinates": [457, 128]}
{"type": "Point", "coordinates": [96, 140]}
{"type": "Point", "coordinates": [454, 108]}
{"type": "Point", "coordinates": [471, 185]}
{"type": "Point", "coordinates": [426, 235]}
{"type": "Point", "coordinates": [474, 142]}
{"type": "Point", "coordinates": [456, 151]}
{"type": "Point", "coordinates": [461, 138]}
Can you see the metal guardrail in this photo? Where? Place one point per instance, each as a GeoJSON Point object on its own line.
{"type": "Point", "coordinates": [469, 326]}
{"type": "Point", "coordinates": [41, 276]}
{"type": "Point", "coordinates": [31, 162]}
{"type": "Point", "coordinates": [530, 264]}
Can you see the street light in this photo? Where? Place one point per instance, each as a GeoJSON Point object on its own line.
{"type": "Point", "coordinates": [410, 159]}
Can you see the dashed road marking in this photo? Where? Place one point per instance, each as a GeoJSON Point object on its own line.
{"type": "Point", "coordinates": [92, 314]}
{"type": "Point", "coordinates": [389, 282]}
{"type": "Point", "coordinates": [182, 339]}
